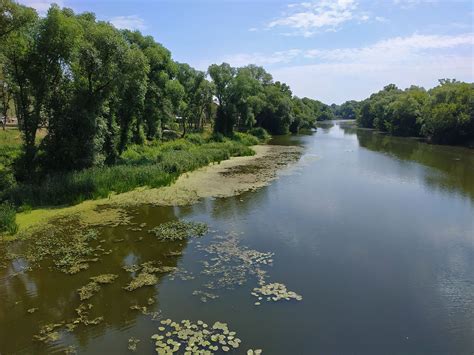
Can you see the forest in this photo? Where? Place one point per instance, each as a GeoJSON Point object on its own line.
{"type": "Point", "coordinates": [103, 110]}
{"type": "Point", "coordinates": [442, 115]}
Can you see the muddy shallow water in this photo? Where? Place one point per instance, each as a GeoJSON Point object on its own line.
{"type": "Point", "coordinates": [375, 233]}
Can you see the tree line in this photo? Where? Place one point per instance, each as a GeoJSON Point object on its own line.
{"type": "Point", "coordinates": [96, 90]}
{"type": "Point", "coordinates": [442, 115]}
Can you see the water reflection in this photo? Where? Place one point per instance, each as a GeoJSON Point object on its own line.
{"type": "Point", "coordinates": [454, 166]}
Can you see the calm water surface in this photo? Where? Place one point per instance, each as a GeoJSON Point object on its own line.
{"type": "Point", "coordinates": [375, 232]}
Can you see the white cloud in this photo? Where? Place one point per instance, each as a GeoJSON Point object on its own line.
{"type": "Point", "coordinates": [308, 18]}
{"type": "Point", "coordinates": [132, 22]}
{"type": "Point", "coordinates": [41, 6]}
{"type": "Point", "coordinates": [258, 58]}
{"type": "Point", "coordinates": [407, 4]}
{"type": "Point", "coordinates": [338, 75]}
{"type": "Point", "coordinates": [393, 49]}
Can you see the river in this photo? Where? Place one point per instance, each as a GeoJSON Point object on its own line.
{"type": "Point", "coordinates": [376, 233]}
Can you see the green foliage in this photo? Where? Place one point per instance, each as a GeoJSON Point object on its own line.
{"type": "Point", "coordinates": [444, 114]}
{"type": "Point", "coordinates": [7, 219]}
{"type": "Point", "coordinates": [153, 165]}
{"type": "Point", "coordinates": [347, 111]}
{"type": "Point", "coordinates": [260, 133]}
{"type": "Point", "coordinates": [179, 230]}
{"type": "Point", "coordinates": [246, 139]}
{"type": "Point", "coordinates": [449, 114]}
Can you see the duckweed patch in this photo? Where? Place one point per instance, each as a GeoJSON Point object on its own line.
{"type": "Point", "coordinates": [204, 296]}
{"type": "Point", "coordinates": [179, 230]}
{"type": "Point", "coordinates": [181, 274]}
{"type": "Point", "coordinates": [143, 279]}
{"type": "Point", "coordinates": [49, 333]}
{"type": "Point", "coordinates": [274, 292]}
{"type": "Point", "coordinates": [69, 249]}
{"type": "Point", "coordinates": [133, 343]}
{"type": "Point", "coordinates": [194, 338]}
{"type": "Point", "coordinates": [89, 290]}
{"type": "Point", "coordinates": [231, 264]}
{"type": "Point", "coordinates": [147, 276]}
{"type": "Point", "coordinates": [155, 315]}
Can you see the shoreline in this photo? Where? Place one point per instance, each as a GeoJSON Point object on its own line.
{"type": "Point", "coordinates": [228, 178]}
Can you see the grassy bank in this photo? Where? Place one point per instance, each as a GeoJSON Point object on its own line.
{"type": "Point", "coordinates": [153, 165]}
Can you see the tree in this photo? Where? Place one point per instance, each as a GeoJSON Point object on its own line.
{"type": "Point", "coordinates": [223, 76]}
{"type": "Point", "coordinates": [449, 114]}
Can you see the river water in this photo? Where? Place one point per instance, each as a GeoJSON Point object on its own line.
{"type": "Point", "coordinates": [376, 233]}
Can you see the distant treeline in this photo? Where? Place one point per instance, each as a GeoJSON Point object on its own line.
{"type": "Point", "coordinates": [97, 89]}
{"type": "Point", "coordinates": [443, 115]}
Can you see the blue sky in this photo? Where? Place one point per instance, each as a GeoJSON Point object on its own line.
{"type": "Point", "coordinates": [331, 50]}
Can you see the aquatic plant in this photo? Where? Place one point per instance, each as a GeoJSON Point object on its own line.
{"type": "Point", "coordinates": [48, 333]}
{"type": "Point", "coordinates": [204, 296]}
{"type": "Point", "coordinates": [146, 276]}
{"type": "Point", "coordinates": [254, 352]}
{"type": "Point", "coordinates": [232, 264]}
{"type": "Point", "coordinates": [274, 292]}
{"type": "Point", "coordinates": [143, 279]}
{"type": "Point", "coordinates": [133, 343]}
{"type": "Point", "coordinates": [89, 290]}
{"type": "Point", "coordinates": [68, 249]}
{"type": "Point", "coordinates": [179, 230]}
{"type": "Point", "coordinates": [194, 337]}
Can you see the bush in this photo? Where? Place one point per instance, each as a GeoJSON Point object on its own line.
{"type": "Point", "coordinates": [8, 219]}
{"type": "Point", "coordinates": [260, 133]}
{"type": "Point", "coordinates": [217, 137]}
{"type": "Point", "coordinates": [197, 139]}
{"type": "Point", "coordinates": [245, 139]}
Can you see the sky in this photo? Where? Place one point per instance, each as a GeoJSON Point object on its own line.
{"type": "Point", "coordinates": [330, 50]}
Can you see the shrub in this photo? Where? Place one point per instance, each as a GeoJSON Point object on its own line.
{"type": "Point", "coordinates": [197, 139]}
{"type": "Point", "coordinates": [8, 219]}
{"type": "Point", "coordinates": [260, 133]}
{"type": "Point", "coordinates": [245, 139]}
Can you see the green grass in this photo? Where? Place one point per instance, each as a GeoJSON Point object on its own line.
{"type": "Point", "coordinates": [153, 165]}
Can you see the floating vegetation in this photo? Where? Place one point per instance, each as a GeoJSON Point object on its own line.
{"type": "Point", "coordinates": [89, 290]}
{"type": "Point", "coordinates": [143, 279]}
{"type": "Point", "coordinates": [133, 343]}
{"type": "Point", "coordinates": [155, 315]}
{"type": "Point", "coordinates": [182, 275]}
{"type": "Point", "coordinates": [70, 350]}
{"type": "Point", "coordinates": [274, 292]}
{"type": "Point", "coordinates": [179, 230]}
{"type": "Point", "coordinates": [83, 315]}
{"type": "Point", "coordinates": [131, 268]}
{"type": "Point", "coordinates": [69, 250]}
{"type": "Point", "coordinates": [146, 276]}
{"type": "Point", "coordinates": [254, 352]}
{"type": "Point", "coordinates": [232, 264]}
{"type": "Point", "coordinates": [174, 254]}
{"type": "Point", "coordinates": [48, 333]}
{"type": "Point", "coordinates": [194, 338]}
{"type": "Point", "coordinates": [204, 296]}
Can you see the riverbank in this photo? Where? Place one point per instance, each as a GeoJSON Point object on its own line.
{"type": "Point", "coordinates": [227, 178]}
